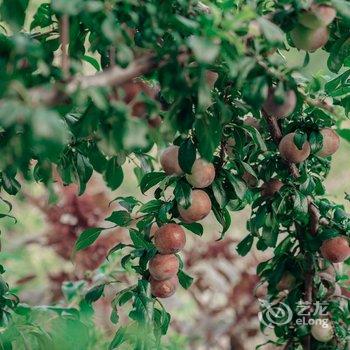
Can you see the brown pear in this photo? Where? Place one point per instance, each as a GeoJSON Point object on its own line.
{"type": "Point", "coordinates": [290, 152]}
{"type": "Point", "coordinates": [283, 109]}
{"type": "Point", "coordinates": [309, 39]}
{"type": "Point", "coordinates": [162, 267]}
{"type": "Point", "coordinates": [331, 142]}
{"type": "Point", "coordinates": [169, 160]}
{"type": "Point", "coordinates": [170, 239]}
{"type": "Point", "coordinates": [164, 289]}
{"type": "Point", "coordinates": [336, 249]}
{"type": "Point", "coordinates": [200, 207]}
{"type": "Point", "coordinates": [202, 174]}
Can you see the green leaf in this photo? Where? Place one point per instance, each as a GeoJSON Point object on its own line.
{"type": "Point", "coordinates": [238, 185]}
{"type": "Point", "coordinates": [194, 227]}
{"type": "Point", "coordinates": [114, 318]}
{"type": "Point", "coordinates": [255, 91]}
{"type": "Point", "coordinates": [152, 206]}
{"type": "Point", "coordinates": [344, 133]}
{"type": "Point", "coordinates": [139, 240]}
{"type": "Point", "coordinates": [165, 321]}
{"type": "Point", "coordinates": [343, 8]}
{"type": "Point", "coordinates": [129, 203]}
{"type": "Point", "coordinates": [182, 193]}
{"type": "Point", "coordinates": [84, 171]}
{"type": "Point", "coordinates": [121, 218]}
{"type": "Point", "coordinates": [87, 238]}
{"type": "Point", "coordinates": [339, 52]}
{"type": "Point", "coordinates": [187, 155]}
{"type": "Point", "coordinates": [151, 179]}
{"type": "Point", "coordinates": [10, 184]}
{"type": "Point", "coordinates": [208, 134]}
{"type": "Point", "coordinates": [245, 245]}
{"type": "Point", "coordinates": [114, 175]}
{"type": "Point", "coordinates": [13, 12]}
{"type": "Point", "coordinates": [255, 135]}
{"type": "Point", "coordinates": [223, 217]}
{"type": "Point", "coordinates": [219, 192]}
{"type": "Point", "coordinates": [97, 158]}
{"type": "Point", "coordinates": [42, 17]}
{"type": "Point", "coordinates": [184, 279]}
{"type": "Point", "coordinates": [270, 236]}
{"type": "Point", "coordinates": [94, 293]}
{"type": "Point", "coordinates": [125, 297]}
{"type": "Point", "coordinates": [119, 338]}
{"type": "Point", "coordinates": [92, 61]}
{"type": "Point", "coordinates": [116, 248]}
{"type": "Point", "coordinates": [299, 139]}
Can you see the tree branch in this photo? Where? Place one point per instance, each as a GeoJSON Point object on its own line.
{"type": "Point", "coordinates": [114, 76]}
{"type": "Point", "coordinates": [64, 37]}
{"type": "Point", "coordinates": [276, 134]}
{"type": "Point", "coordinates": [314, 218]}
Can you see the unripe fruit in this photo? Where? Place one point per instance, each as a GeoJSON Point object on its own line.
{"type": "Point", "coordinates": [163, 267]}
{"type": "Point", "coordinates": [318, 16]}
{"type": "Point", "coordinates": [268, 189]}
{"type": "Point", "coordinates": [331, 142]}
{"type": "Point", "coordinates": [200, 207]}
{"type": "Point", "coordinates": [280, 110]}
{"type": "Point", "coordinates": [169, 161]}
{"type": "Point", "coordinates": [164, 289]}
{"type": "Point", "coordinates": [309, 39]}
{"type": "Point", "coordinates": [251, 121]}
{"type": "Point", "coordinates": [131, 90]}
{"type": "Point", "coordinates": [155, 122]}
{"type": "Point", "coordinates": [322, 330]}
{"type": "Point", "coordinates": [287, 282]}
{"type": "Point", "coordinates": [170, 239]}
{"type": "Point", "coordinates": [250, 180]}
{"type": "Point", "coordinates": [335, 249]}
{"type": "Point", "coordinates": [290, 152]}
{"type": "Point", "coordinates": [211, 78]}
{"type": "Point", "coordinates": [202, 174]}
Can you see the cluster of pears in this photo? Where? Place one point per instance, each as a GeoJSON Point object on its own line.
{"type": "Point", "coordinates": [335, 249]}
{"type": "Point", "coordinates": [292, 154]}
{"type": "Point", "coordinates": [311, 32]}
{"type": "Point", "coordinates": [164, 266]}
{"type": "Point", "coordinates": [287, 148]}
{"type": "Point", "coordinates": [170, 238]}
{"type": "Point", "coordinates": [201, 176]}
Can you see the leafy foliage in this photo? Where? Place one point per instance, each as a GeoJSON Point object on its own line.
{"type": "Point", "coordinates": [203, 70]}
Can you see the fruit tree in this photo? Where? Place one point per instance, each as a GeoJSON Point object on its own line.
{"type": "Point", "coordinates": [200, 97]}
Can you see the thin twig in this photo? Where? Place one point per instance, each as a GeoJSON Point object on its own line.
{"type": "Point", "coordinates": [112, 56]}
{"type": "Point", "coordinates": [64, 37]}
